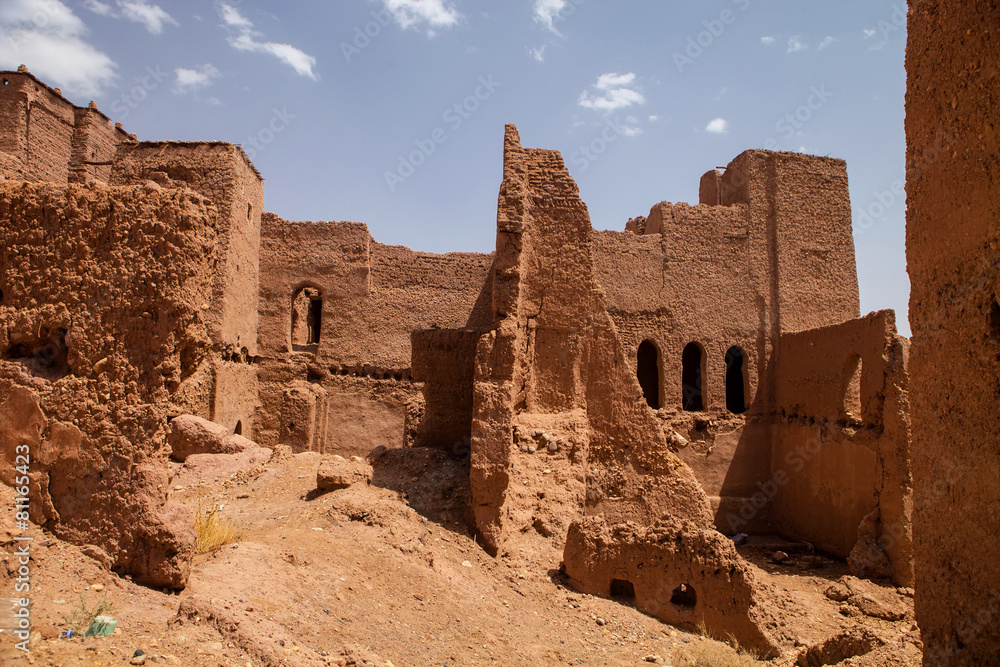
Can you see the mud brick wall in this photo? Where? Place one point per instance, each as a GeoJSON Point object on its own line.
{"type": "Point", "coordinates": [44, 137]}
{"type": "Point", "coordinates": [840, 464]}
{"type": "Point", "coordinates": [39, 128]}
{"type": "Point", "coordinates": [372, 297]}
{"type": "Point", "coordinates": [953, 258]}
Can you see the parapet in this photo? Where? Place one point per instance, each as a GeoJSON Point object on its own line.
{"type": "Point", "coordinates": [203, 166]}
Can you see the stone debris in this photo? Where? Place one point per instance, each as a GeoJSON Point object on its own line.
{"type": "Point", "coordinates": [190, 434]}
{"type": "Point", "coordinates": [336, 472]}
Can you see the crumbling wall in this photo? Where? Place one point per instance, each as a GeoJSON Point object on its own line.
{"type": "Point", "coordinates": [678, 572]}
{"type": "Point", "coordinates": [372, 297]}
{"type": "Point", "coordinates": [104, 310]}
{"type": "Point", "coordinates": [222, 174]}
{"type": "Point", "coordinates": [553, 363]}
{"type": "Point", "coordinates": [953, 259]}
{"type": "Point", "coordinates": [840, 466]}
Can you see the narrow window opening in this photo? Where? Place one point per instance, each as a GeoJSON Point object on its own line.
{"type": "Point", "coordinates": [307, 315]}
{"type": "Point", "coordinates": [249, 211]}
{"type": "Point", "coordinates": [622, 590]}
{"type": "Point", "coordinates": [851, 388]}
{"type": "Point", "coordinates": [684, 596]}
{"type": "Point", "coordinates": [692, 398]}
{"type": "Point", "coordinates": [648, 372]}
{"type": "Point", "coordinates": [993, 320]}
{"type": "Point", "coordinates": [735, 381]}
{"type": "Point", "coordinates": [239, 428]}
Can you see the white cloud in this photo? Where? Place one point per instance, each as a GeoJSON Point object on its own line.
{"type": "Point", "coordinates": [653, 118]}
{"type": "Point", "coordinates": [722, 93]}
{"type": "Point", "coordinates": [612, 93]}
{"type": "Point", "coordinates": [48, 37]}
{"type": "Point", "coordinates": [538, 52]}
{"type": "Point", "coordinates": [435, 13]}
{"type": "Point", "coordinates": [153, 17]}
{"type": "Point", "coordinates": [630, 127]}
{"type": "Point", "coordinates": [717, 126]}
{"type": "Point", "coordinates": [795, 43]}
{"type": "Point", "coordinates": [547, 11]}
{"type": "Point", "coordinates": [767, 40]}
{"type": "Point", "coordinates": [99, 7]}
{"type": "Point", "coordinates": [193, 79]}
{"type": "Point", "coordinates": [232, 17]}
{"type": "Point", "coordinates": [827, 41]}
{"type": "Point", "coordinates": [243, 37]}
{"type": "Point", "coordinates": [869, 32]}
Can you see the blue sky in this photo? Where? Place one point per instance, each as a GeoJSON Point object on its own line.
{"type": "Point", "coordinates": [391, 112]}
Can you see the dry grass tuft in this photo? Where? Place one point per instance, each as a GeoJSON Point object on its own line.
{"type": "Point", "coordinates": [712, 654]}
{"type": "Point", "coordinates": [212, 531]}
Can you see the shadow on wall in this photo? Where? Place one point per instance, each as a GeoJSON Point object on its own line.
{"type": "Point", "coordinates": [837, 437]}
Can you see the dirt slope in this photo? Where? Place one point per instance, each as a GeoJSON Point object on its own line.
{"type": "Point", "coordinates": [387, 574]}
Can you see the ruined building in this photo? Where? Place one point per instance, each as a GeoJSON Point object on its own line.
{"type": "Point", "coordinates": [623, 396]}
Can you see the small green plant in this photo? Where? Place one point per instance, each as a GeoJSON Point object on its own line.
{"type": "Point", "coordinates": [212, 531]}
{"type": "Point", "coordinates": [82, 615]}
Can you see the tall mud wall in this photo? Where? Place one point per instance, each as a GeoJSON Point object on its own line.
{"type": "Point", "coordinates": [768, 251]}
{"type": "Point", "coordinates": [953, 258]}
{"type": "Point", "coordinates": [224, 386]}
{"type": "Point", "coordinates": [104, 300]}
{"type": "Point", "coordinates": [553, 362]}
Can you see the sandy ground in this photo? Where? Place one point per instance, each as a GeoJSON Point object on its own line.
{"type": "Point", "coordinates": [388, 574]}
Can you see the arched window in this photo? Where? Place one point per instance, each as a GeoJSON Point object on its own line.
{"type": "Point", "coordinates": [691, 377]}
{"type": "Point", "coordinates": [307, 316]}
{"type": "Point", "coordinates": [647, 369]}
{"type": "Point", "coordinates": [239, 428]}
{"type": "Point", "coordinates": [736, 381]}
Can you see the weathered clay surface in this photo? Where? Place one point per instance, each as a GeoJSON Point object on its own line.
{"type": "Point", "coordinates": [678, 571]}
{"type": "Point", "coordinates": [88, 354]}
{"type": "Point", "coordinates": [953, 259]}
